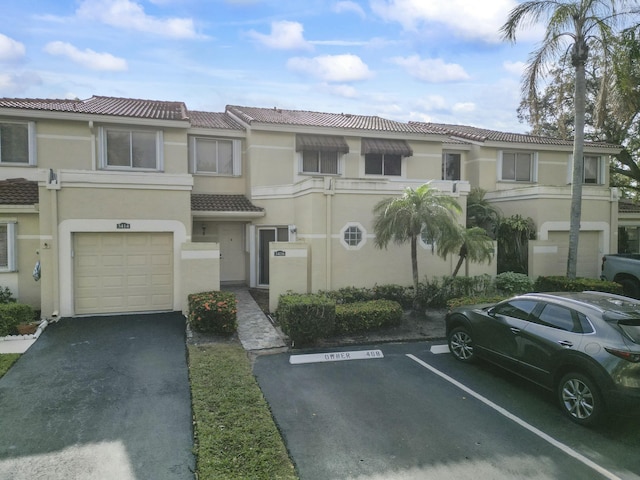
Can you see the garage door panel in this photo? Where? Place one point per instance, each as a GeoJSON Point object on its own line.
{"type": "Point", "coordinates": [158, 300]}
{"type": "Point", "coordinates": [123, 272]}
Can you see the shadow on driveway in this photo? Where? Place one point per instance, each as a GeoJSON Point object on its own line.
{"type": "Point", "coordinates": [100, 397]}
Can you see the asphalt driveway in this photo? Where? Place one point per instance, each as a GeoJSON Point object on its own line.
{"type": "Point", "coordinates": [100, 397]}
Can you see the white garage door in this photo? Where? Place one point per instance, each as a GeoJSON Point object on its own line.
{"type": "Point", "coordinates": [588, 253]}
{"type": "Point", "coordinates": [123, 272]}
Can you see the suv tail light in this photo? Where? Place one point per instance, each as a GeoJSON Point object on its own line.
{"type": "Point", "coordinates": [625, 355]}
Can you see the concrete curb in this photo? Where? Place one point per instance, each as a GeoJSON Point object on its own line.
{"type": "Point", "coordinates": [21, 343]}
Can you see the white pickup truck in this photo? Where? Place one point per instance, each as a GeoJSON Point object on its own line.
{"type": "Point", "coordinates": [623, 268]}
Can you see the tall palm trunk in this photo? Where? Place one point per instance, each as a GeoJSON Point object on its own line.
{"type": "Point", "coordinates": [579, 57]}
{"type": "Point", "coordinates": [414, 263]}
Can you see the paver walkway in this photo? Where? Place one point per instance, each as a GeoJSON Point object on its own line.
{"type": "Point", "coordinates": [255, 330]}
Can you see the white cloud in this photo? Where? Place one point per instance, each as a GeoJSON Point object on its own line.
{"type": "Point", "coordinates": [332, 68]}
{"type": "Point", "coordinates": [10, 50]}
{"type": "Point", "coordinates": [516, 68]}
{"type": "Point", "coordinates": [346, 91]}
{"type": "Point", "coordinates": [284, 36]}
{"type": "Point", "coordinates": [348, 6]}
{"type": "Point", "coordinates": [17, 84]}
{"type": "Point", "coordinates": [432, 70]}
{"type": "Point", "coordinates": [130, 15]}
{"type": "Point", "coordinates": [469, 19]}
{"type": "Point", "coordinates": [432, 103]}
{"type": "Point", "coordinates": [87, 58]}
{"type": "Point", "coordinates": [464, 107]}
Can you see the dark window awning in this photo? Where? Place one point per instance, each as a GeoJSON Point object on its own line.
{"type": "Point", "coordinates": [321, 143]}
{"type": "Point", "coordinates": [386, 146]}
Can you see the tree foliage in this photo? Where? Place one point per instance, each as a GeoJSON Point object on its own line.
{"type": "Point", "coordinates": [574, 30]}
{"type": "Point", "coordinates": [421, 211]}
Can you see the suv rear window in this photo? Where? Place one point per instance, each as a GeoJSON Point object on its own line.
{"type": "Point", "coordinates": [631, 328]}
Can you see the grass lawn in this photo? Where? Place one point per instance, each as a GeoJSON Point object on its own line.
{"type": "Point", "coordinates": [236, 437]}
{"type": "Point", "coordinates": [6, 360]}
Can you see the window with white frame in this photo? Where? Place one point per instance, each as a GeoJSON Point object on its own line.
{"type": "Point", "coordinates": [451, 166]}
{"type": "Point", "coordinates": [324, 162]}
{"type": "Point", "coordinates": [353, 236]}
{"type": "Point", "coordinates": [131, 148]}
{"type": "Point", "coordinates": [7, 247]}
{"type": "Point", "coordinates": [593, 170]}
{"type": "Point", "coordinates": [383, 164]}
{"type": "Point", "coordinates": [17, 143]}
{"type": "Point", "coordinates": [518, 166]}
{"type": "Point", "coordinates": [215, 156]}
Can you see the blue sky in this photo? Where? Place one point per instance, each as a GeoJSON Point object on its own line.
{"type": "Point", "coordinates": [425, 60]}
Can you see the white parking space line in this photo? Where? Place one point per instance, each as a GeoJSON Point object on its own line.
{"type": "Point", "coordinates": [566, 449]}
{"type": "Point", "coordinates": [439, 349]}
{"type": "Point", "coordinates": [335, 356]}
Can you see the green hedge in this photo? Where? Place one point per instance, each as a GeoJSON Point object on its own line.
{"type": "Point", "coordinates": [213, 312]}
{"type": "Point", "coordinates": [363, 316]}
{"type": "Point", "coordinates": [479, 300]}
{"type": "Point", "coordinates": [306, 317]}
{"type": "Point", "coordinates": [564, 284]}
{"type": "Point", "coordinates": [12, 314]}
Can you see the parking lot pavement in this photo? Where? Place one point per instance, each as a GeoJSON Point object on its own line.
{"type": "Point", "coordinates": [356, 414]}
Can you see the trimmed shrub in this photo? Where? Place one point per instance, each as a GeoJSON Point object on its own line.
{"type": "Point", "coordinates": [397, 293]}
{"type": "Point", "coordinates": [349, 295]}
{"type": "Point", "coordinates": [512, 283]}
{"type": "Point", "coordinates": [438, 291]}
{"type": "Point", "coordinates": [306, 317]}
{"type": "Point", "coordinates": [480, 300]}
{"type": "Point", "coordinates": [213, 312]}
{"type": "Point", "coordinates": [564, 284]}
{"type": "Point", "coordinates": [12, 314]}
{"type": "Point", "coordinates": [6, 296]}
{"type": "Point", "coordinates": [363, 316]}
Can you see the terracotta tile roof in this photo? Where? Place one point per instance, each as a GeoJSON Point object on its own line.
{"type": "Point", "coordinates": [18, 191]}
{"type": "Point", "coordinates": [122, 107]}
{"type": "Point", "coordinates": [277, 116]}
{"type": "Point", "coordinates": [222, 203]}
{"type": "Point", "coordinates": [213, 120]}
{"type": "Point", "coordinates": [483, 135]}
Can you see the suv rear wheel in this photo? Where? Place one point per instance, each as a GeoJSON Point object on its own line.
{"type": "Point", "coordinates": [580, 399]}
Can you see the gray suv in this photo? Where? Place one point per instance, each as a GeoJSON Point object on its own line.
{"type": "Point", "coordinates": [585, 346]}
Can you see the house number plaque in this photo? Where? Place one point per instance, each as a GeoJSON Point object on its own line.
{"type": "Point", "coordinates": [123, 226]}
{"type": "Point", "coordinates": [279, 253]}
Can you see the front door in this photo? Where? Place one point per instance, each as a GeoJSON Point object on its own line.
{"type": "Point", "coordinates": [232, 256]}
{"type": "Point", "coordinates": [267, 235]}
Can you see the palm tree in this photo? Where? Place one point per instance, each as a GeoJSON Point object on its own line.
{"type": "Point", "coordinates": [422, 211]}
{"type": "Point", "coordinates": [469, 243]}
{"type": "Point", "coordinates": [576, 25]}
{"type": "Point", "coordinates": [481, 213]}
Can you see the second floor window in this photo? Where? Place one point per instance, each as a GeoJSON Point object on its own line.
{"type": "Point", "coordinates": [215, 156]}
{"type": "Point", "coordinates": [320, 154]}
{"type": "Point", "coordinates": [592, 170]}
{"type": "Point", "coordinates": [517, 166]}
{"type": "Point", "coordinates": [17, 145]}
{"type": "Point", "coordinates": [320, 162]}
{"type": "Point", "coordinates": [135, 149]}
{"type": "Point", "coordinates": [382, 164]}
{"type": "Point", "coordinates": [451, 166]}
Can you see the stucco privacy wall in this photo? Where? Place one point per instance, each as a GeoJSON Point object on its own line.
{"type": "Point", "coordinates": [200, 267]}
{"type": "Point", "coordinates": [289, 270]}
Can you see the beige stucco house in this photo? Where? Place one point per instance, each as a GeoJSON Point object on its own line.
{"type": "Point", "coordinates": [130, 205]}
